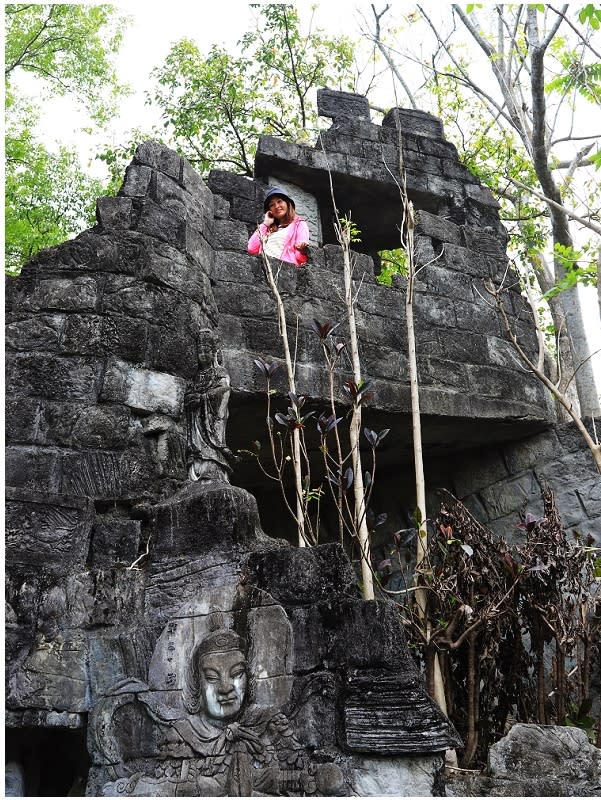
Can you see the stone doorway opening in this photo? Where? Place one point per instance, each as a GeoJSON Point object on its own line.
{"type": "Point", "coordinates": [46, 762]}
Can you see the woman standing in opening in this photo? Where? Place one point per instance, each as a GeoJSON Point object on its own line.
{"type": "Point", "coordinates": [282, 234]}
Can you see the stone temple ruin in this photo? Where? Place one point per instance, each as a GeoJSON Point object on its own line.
{"type": "Point", "coordinates": [163, 641]}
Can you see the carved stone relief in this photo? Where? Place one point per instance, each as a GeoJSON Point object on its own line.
{"type": "Point", "coordinates": [206, 404]}
{"type": "Point", "coordinates": [214, 717]}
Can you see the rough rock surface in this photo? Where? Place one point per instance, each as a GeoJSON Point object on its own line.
{"type": "Point", "coordinates": [535, 761]}
{"type": "Point", "coordinates": [466, 368]}
{"type": "Point", "coordinates": [497, 483]}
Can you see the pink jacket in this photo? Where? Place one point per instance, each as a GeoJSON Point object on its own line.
{"type": "Point", "coordinates": [297, 231]}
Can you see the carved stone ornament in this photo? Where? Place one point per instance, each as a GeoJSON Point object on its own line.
{"type": "Point", "coordinates": [206, 404]}
{"type": "Point", "coordinates": [209, 722]}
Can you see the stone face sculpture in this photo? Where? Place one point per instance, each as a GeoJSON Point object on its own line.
{"type": "Point", "coordinates": [206, 405]}
{"type": "Point", "coordinates": [212, 738]}
{"type": "Point", "coordinates": [216, 675]}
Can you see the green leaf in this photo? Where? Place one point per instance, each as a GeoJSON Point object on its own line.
{"type": "Point", "coordinates": [68, 50]}
{"type": "Point", "coordinates": [48, 197]}
{"type": "Point", "coordinates": [591, 14]}
{"type": "Point", "coordinates": [393, 262]}
{"type": "Point", "coordinates": [417, 517]}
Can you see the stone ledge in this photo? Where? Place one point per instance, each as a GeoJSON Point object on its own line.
{"type": "Point", "coordinates": [417, 122]}
{"type": "Point", "coordinates": [38, 718]}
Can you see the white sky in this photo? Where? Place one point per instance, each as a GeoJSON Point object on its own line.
{"type": "Point", "coordinates": [154, 28]}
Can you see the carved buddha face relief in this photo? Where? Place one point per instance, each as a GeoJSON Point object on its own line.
{"type": "Point", "coordinates": [223, 684]}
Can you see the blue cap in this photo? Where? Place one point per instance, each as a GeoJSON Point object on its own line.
{"type": "Point", "coordinates": [277, 191]}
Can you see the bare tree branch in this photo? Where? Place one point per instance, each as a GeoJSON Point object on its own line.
{"type": "Point", "coordinates": [587, 223]}
{"type": "Point", "coordinates": [549, 37]}
{"type": "Point", "coordinates": [576, 31]}
{"type": "Point", "coordinates": [579, 160]}
{"type": "Point", "coordinates": [574, 139]}
{"type": "Point", "coordinates": [377, 39]}
{"type": "Point", "coordinates": [516, 112]}
{"type": "Point", "coordinates": [464, 77]}
{"type": "Point", "coordinates": [559, 395]}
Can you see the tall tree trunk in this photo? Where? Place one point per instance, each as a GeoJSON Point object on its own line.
{"type": "Point", "coordinates": [296, 450]}
{"type": "Point", "coordinates": [541, 692]}
{"type": "Point", "coordinates": [355, 430]}
{"type": "Point", "coordinates": [584, 375]}
{"type": "Point", "coordinates": [418, 461]}
{"type": "Point", "coordinates": [561, 684]}
{"type": "Point", "coordinates": [471, 742]}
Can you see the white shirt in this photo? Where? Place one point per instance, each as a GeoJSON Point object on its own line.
{"type": "Point", "coordinates": [274, 243]}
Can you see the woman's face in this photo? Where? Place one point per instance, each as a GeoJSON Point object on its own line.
{"type": "Point", "coordinates": [278, 208]}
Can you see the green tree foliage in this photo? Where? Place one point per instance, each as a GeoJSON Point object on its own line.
{"type": "Point", "coordinates": [392, 262]}
{"type": "Point", "coordinates": [68, 49]}
{"type": "Point", "coordinates": [47, 194]}
{"type": "Point", "coordinates": [218, 104]}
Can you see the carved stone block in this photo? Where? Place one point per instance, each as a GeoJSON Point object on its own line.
{"type": "Point", "coordinates": [414, 121]}
{"type": "Point", "coordinates": [137, 181]}
{"type": "Point", "coordinates": [41, 332]}
{"type": "Point", "coordinates": [29, 470]}
{"type": "Point", "coordinates": [158, 157]}
{"type": "Point", "coordinates": [53, 676]}
{"type": "Point", "coordinates": [342, 104]}
{"type": "Point", "coordinates": [306, 575]}
{"type": "Point", "coordinates": [54, 377]}
{"type": "Point", "coordinates": [115, 540]}
{"type": "Point", "coordinates": [47, 529]}
{"type": "Point", "coordinates": [66, 294]}
{"type": "Point", "coordinates": [114, 212]}
{"type": "Point", "coordinates": [166, 224]}
{"type": "Point", "coordinates": [143, 389]}
{"type": "Point", "coordinates": [91, 474]}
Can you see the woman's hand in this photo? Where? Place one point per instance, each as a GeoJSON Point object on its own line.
{"type": "Point", "coordinates": [302, 247]}
{"type": "Point", "coordinates": [268, 220]}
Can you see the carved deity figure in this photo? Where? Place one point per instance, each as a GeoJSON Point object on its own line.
{"type": "Point", "coordinates": [206, 406]}
{"type": "Point", "coordinates": [223, 745]}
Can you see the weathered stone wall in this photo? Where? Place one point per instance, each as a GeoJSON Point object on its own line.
{"type": "Point", "coordinates": [102, 330]}
{"type": "Point", "coordinates": [498, 483]}
{"type": "Point", "coordinates": [101, 340]}
{"type": "Point", "coordinates": [100, 344]}
{"type": "Point", "coordinates": [467, 369]}
{"type": "Point", "coordinates": [105, 548]}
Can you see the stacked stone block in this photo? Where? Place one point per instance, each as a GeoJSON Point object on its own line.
{"type": "Point", "coordinates": [101, 343]}
{"type": "Point", "coordinates": [500, 484]}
